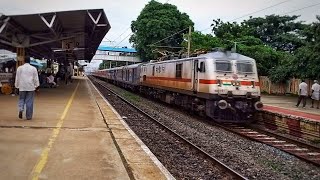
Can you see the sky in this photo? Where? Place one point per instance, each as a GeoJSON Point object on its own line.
{"type": "Point", "coordinates": [120, 13]}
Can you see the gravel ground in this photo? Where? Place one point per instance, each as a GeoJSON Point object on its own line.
{"type": "Point", "coordinates": [182, 160]}
{"type": "Point", "coordinates": [253, 160]}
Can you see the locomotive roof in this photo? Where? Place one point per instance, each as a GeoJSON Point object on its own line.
{"type": "Point", "coordinates": [220, 55]}
{"type": "Point", "coordinates": [217, 55]}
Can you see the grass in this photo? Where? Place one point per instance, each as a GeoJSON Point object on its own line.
{"type": "Point", "coordinates": [315, 141]}
{"type": "Point", "coordinates": [275, 166]}
{"type": "Point", "coordinates": [131, 97]}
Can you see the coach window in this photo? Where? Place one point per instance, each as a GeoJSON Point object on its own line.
{"type": "Point", "coordinates": [153, 69]}
{"type": "Point", "coordinates": [202, 67]}
{"type": "Point", "coordinates": [128, 75]}
{"type": "Point", "coordinates": [122, 74]}
{"type": "Point", "coordinates": [178, 70]}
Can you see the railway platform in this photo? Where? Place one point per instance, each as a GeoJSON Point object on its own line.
{"type": "Point", "coordinates": [286, 105]}
{"type": "Point", "coordinates": [74, 134]}
{"type": "Point", "coordinates": [281, 114]}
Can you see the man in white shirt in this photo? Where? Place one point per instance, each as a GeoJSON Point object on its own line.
{"type": "Point", "coordinates": [315, 93]}
{"type": "Point", "coordinates": [303, 93]}
{"type": "Point", "coordinates": [27, 81]}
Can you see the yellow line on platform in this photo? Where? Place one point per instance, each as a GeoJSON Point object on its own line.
{"type": "Point", "coordinates": [44, 155]}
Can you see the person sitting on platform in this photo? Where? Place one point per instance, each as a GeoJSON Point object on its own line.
{"type": "Point", "coordinates": [51, 82]}
{"type": "Point", "coordinates": [315, 93]}
{"type": "Point", "coordinates": [43, 80]}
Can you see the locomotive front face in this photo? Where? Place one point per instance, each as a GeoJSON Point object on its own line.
{"type": "Point", "coordinates": [236, 78]}
{"type": "Point", "coordinates": [234, 89]}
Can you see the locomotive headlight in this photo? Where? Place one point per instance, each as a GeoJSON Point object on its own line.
{"type": "Point", "coordinates": [219, 82]}
{"type": "Point", "coordinates": [258, 105]}
{"type": "Point", "coordinates": [223, 104]}
{"type": "Point", "coordinates": [252, 83]}
{"type": "Point", "coordinates": [236, 83]}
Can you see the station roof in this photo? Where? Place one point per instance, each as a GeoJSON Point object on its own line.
{"type": "Point", "coordinates": [115, 49]}
{"type": "Point", "coordinates": [74, 35]}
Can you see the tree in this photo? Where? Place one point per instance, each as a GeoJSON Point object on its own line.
{"type": "Point", "coordinates": [229, 31]}
{"type": "Point", "coordinates": [266, 57]}
{"type": "Point", "coordinates": [306, 63]}
{"type": "Point", "coordinates": [156, 22]}
{"type": "Point", "coordinates": [280, 32]}
{"type": "Point", "coordinates": [202, 42]}
{"type": "Point", "coordinates": [284, 70]}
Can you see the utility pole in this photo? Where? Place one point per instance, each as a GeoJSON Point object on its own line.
{"type": "Point", "coordinates": [189, 41]}
{"type": "Point", "coordinates": [235, 44]}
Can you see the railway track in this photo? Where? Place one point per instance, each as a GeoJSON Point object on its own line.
{"type": "Point", "coordinates": [304, 151]}
{"type": "Point", "coordinates": [293, 131]}
{"type": "Point", "coordinates": [226, 170]}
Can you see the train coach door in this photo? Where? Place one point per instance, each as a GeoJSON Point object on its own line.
{"type": "Point", "coordinates": [195, 81]}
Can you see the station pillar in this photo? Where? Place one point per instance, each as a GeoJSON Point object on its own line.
{"type": "Point", "coordinates": [20, 56]}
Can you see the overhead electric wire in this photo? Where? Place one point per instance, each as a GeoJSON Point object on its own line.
{"type": "Point", "coordinates": [168, 36]}
{"type": "Point", "coordinates": [253, 12]}
{"type": "Point", "coordinates": [173, 47]}
{"type": "Point", "coordinates": [310, 6]}
{"type": "Point", "coordinates": [122, 34]}
{"type": "Point", "coordinates": [260, 10]}
{"type": "Point", "coordinates": [129, 28]}
{"type": "Point", "coordinates": [122, 40]}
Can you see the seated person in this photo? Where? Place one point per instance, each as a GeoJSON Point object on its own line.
{"type": "Point", "coordinates": [50, 79]}
{"type": "Point", "coordinates": [43, 79]}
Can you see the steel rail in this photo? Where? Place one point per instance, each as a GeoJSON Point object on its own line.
{"type": "Point", "coordinates": [222, 166]}
{"type": "Point", "coordinates": [301, 150]}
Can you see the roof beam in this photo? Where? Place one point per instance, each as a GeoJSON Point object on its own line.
{"type": "Point", "coordinates": [14, 27]}
{"type": "Point", "coordinates": [95, 22]}
{"type": "Point", "coordinates": [5, 22]}
{"type": "Point", "coordinates": [49, 41]}
{"type": "Point", "coordinates": [41, 37]}
{"type": "Point", "coordinates": [6, 42]}
{"type": "Point", "coordinates": [56, 31]}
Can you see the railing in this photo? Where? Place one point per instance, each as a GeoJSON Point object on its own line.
{"type": "Point", "coordinates": [106, 57]}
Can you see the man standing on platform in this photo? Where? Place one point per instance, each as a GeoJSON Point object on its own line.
{"type": "Point", "coordinates": [27, 81]}
{"type": "Point", "coordinates": [315, 93]}
{"type": "Point", "coordinates": [303, 93]}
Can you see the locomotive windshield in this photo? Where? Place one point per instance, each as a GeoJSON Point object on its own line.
{"type": "Point", "coordinates": [223, 66]}
{"type": "Point", "coordinates": [244, 67]}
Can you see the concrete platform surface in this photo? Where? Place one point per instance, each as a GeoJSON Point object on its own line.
{"type": "Point", "coordinates": [286, 105]}
{"type": "Point", "coordinates": [69, 139]}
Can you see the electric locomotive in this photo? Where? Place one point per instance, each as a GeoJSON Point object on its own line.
{"type": "Point", "coordinates": [221, 85]}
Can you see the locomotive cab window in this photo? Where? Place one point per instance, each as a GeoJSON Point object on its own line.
{"type": "Point", "coordinates": [202, 67]}
{"type": "Point", "coordinates": [178, 70]}
{"type": "Point", "coordinates": [245, 67]}
{"type": "Point", "coordinates": [223, 66]}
